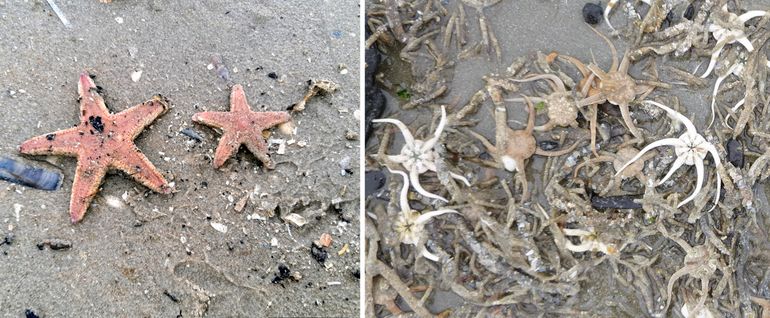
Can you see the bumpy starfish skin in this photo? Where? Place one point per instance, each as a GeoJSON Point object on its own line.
{"type": "Point", "coordinates": [241, 127]}
{"type": "Point", "coordinates": [102, 141]}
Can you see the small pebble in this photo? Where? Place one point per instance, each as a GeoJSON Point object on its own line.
{"type": "Point", "coordinates": [689, 12]}
{"type": "Point", "coordinates": [135, 76]}
{"type": "Point", "coordinates": [318, 253]}
{"type": "Point", "coordinates": [54, 244]}
{"type": "Point", "coordinates": [735, 153]}
{"type": "Point", "coordinates": [326, 240]}
{"type": "Point", "coordinates": [272, 75]}
{"type": "Point", "coordinates": [30, 314]}
{"type": "Point", "coordinates": [592, 13]}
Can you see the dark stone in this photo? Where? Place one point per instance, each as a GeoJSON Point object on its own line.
{"type": "Point", "coordinates": [283, 273]}
{"type": "Point", "coordinates": [616, 202]}
{"type": "Point", "coordinates": [374, 99]}
{"type": "Point", "coordinates": [30, 314]}
{"type": "Point", "coordinates": [735, 153]}
{"type": "Point", "coordinates": [373, 182]}
{"type": "Point", "coordinates": [318, 253]}
{"type": "Point", "coordinates": [96, 122]}
{"type": "Point", "coordinates": [592, 13]}
{"type": "Point", "coordinates": [272, 75]}
{"type": "Point", "coordinates": [689, 12]}
{"type": "Point", "coordinates": [548, 145]}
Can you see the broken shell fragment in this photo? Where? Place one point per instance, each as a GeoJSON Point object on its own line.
{"type": "Point", "coordinates": [295, 219]}
{"type": "Point", "coordinates": [39, 178]}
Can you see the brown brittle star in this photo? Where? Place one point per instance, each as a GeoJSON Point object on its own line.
{"type": "Point", "coordinates": [514, 147]}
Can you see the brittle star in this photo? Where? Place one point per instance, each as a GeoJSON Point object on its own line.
{"type": "Point", "coordinates": [690, 148]}
{"type": "Point", "coordinates": [418, 156]}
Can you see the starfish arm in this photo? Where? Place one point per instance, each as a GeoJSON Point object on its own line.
{"type": "Point", "coordinates": [258, 148]}
{"type": "Point", "coordinates": [64, 142]}
{"type": "Point", "coordinates": [238, 102]}
{"type": "Point", "coordinates": [213, 119]}
{"type": "Point", "coordinates": [88, 177]}
{"type": "Point", "coordinates": [460, 177]}
{"type": "Point", "coordinates": [698, 185]}
{"type": "Point", "coordinates": [743, 40]}
{"type": "Point", "coordinates": [415, 180]}
{"type": "Point", "coordinates": [91, 103]}
{"type": "Point", "coordinates": [403, 197]}
{"type": "Point", "coordinates": [743, 18]}
{"type": "Point", "coordinates": [140, 116]}
{"type": "Point", "coordinates": [676, 115]}
{"type": "Point", "coordinates": [228, 146]}
{"type": "Point", "coordinates": [674, 167]}
{"type": "Point", "coordinates": [408, 138]}
{"type": "Point", "coordinates": [428, 145]}
{"type": "Point", "coordinates": [425, 217]}
{"type": "Point", "coordinates": [663, 142]}
{"type": "Point", "coordinates": [266, 120]}
{"type": "Point", "coordinates": [134, 163]}
{"type": "Point", "coordinates": [583, 247]}
{"type": "Point", "coordinates": [719, 191]}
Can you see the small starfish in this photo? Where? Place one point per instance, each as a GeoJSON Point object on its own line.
{"type": "Point", "coordinates": [418, 156]}
{"type": "Point", "coordinates": [102, 141]}
{"type": "Point", "coordinates": [729, 28]}
{"type": "Point", "coordinates": [690, 148]}
{"type": "Point", "coordinates": [410, 223]}
{"type": "Point", "coordinates": [241, 127]}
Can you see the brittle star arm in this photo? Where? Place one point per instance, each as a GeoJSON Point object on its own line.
{"type": "Point", "coordinates": [698, 184]}
{"type": "Point", "coordinates": [408, 138]}
{"type": "Point", "coordinates": [676, 115]}
{"type": "Point", "coordinates": [428, 144]}
{"type": "Point", "coordinates": [403, 197]}
{"type": "Point", "coordinates": [415, 178]}
{"type": "Point", "coordinates": [663, 142]}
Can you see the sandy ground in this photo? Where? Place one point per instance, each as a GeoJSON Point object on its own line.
{"type": "Point", "coordinates": [154, 255]}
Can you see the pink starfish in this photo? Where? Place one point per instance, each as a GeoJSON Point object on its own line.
{"type": "Point", "coordinates": [102, 141]}
{"type": "Point", "coordinates": [241, 127]}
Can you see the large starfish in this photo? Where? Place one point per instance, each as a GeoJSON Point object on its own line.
{"type": "Point", "coordinates": [241, 127]}
{"type": "Point", "coordinates": [102, 141]}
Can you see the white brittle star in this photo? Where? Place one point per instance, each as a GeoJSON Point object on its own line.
{"type": "Point", "coordinates": [690, 148]}
{"type": "Point", "coordinates": [588, 242]}
{"type": "Point", "coordinates": [418, 156]}
{"type": "Point", "coordinates": [729, 28]}
{"type": "Point", "coordinates": [410, 223]}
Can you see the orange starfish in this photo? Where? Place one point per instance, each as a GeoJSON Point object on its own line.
{"type": "Point", "coordinates": [241, 126]}
{"type": "Point", "coordinates": [102, 141]}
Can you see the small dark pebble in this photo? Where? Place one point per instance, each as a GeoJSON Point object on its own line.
{"type": "Point", "coordinates": [30, 314]}
{"type": "Point", "coordinates": [8, 239]}
{"type": "Point", "coordinates": [735, 153]}
{"type": "Point", "coordinates": [170, 296]}
{"type": "Point", "coordinates": [283, 273]}
{"type": "Point", "coordinates": [96, 122]}
{"type": "Point", "coordinates": [373, 182]}
{"type": "Point", "coordinates": [592, 13]}
{"type": "Point", "coordinates": [689, 12]}
{"type": "Point", "coordinates": [194, 135]}
{"type": "Point", "coordinates": [50, 137]}
{"type": "Point", "coordinates": [548, 145]}
{"type": "Point", "coordinates": [272, 75]}
{"type": "Point", "coordinates": [356, 273]}
{"type": "Point", "coordinates": [670, 18]}
{"type": "Point", "coordinates": [318, 253]}
{"type": "Point", "coordinates": [54, 244]}
{"type": "Point", "coordinates": [616, 202]}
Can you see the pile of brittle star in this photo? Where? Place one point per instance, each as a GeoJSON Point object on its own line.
{"type": "Point", "coordinates": [102, 141]}
{"type": "Point", "coordinates": [632, 208]}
